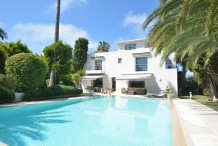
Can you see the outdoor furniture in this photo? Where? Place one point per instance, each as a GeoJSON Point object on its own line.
{"type": "Point", "coordinates": [160, 95]}
{"type": "Point", "coordinates": [124, 91]}
{"type": "Point", "coordinates": [141, 91]}
{"type": "Point", "coordinates": [132, 91]}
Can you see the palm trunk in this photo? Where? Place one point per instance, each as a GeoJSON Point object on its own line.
{"type": "Point", "coordinates": [181, 86]}
{"type": "Point", "coordinates": [56, 38]}
{"type": "Point", "coordinates": [213, 84]}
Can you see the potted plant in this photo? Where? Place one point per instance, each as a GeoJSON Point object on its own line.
{"type": "Point", "coordinates": [169, 92]}
{"type": "Point", "coordinates": [109, 90]}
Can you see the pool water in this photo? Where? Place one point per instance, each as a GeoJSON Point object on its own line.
{"type": "Point", "coordinates": [98, 121]}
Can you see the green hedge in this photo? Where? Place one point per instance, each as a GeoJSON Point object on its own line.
{"type": "Point", "coordinates": [6, 95]}
{"type": "Point", "coordinates": [46, 93]}
{"type": "Point", "coordinates": [28, 70]}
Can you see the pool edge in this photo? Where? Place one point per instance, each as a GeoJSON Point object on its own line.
{"type": "Point", "coordinates": [178, 137]}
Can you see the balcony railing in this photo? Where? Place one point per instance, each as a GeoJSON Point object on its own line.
{"type": "Point", "coordinates": [141, 67]}
{"type": "Point", "coordinates": [94, 67]}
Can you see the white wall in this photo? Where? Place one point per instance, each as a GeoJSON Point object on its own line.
{"type": "Point", "coordinates": [160, 79]}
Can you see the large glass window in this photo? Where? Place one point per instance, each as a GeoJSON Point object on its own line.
{"type": "Point", "coordinates": [137, 84]}
{"type": "Point", "coordinates": [141, 64]}
{"type": "Point", "coordinates": [98, 64]}
{"type": "Point", "coordinates": [130, 46]}
{"type": "Point", "coordinates": [169, 64]}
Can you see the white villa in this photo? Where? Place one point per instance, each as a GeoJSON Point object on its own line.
{"type": "Point", "coordinates": [133, 69]}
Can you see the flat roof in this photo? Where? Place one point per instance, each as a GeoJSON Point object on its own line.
{"type": "Point", "coordinates": [130, 41]}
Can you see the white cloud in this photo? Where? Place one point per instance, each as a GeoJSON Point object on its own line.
{"type": "Point", "coordinates": [134, 22]}
{"type": "Point", "coordinates": [66, 4]}
{"type": "Point", "coordinates": [37, 36]}
{"type": "Point", "coordinates": [134, 19]}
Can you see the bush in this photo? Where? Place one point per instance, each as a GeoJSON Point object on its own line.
{"type": "Point", "coordinates": [28, 70]}
{"type": "Point", "coordinates": [56, 90]}
{"type": "Point", "coordinates": [8, 82]}
{"type": "Point", "coordinates": [6, 95]}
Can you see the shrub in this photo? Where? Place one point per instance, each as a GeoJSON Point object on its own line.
{"type": "Point", "coordinates": [8, 82]}
{"type": "Point", "coordinates": [56, 90]}
{"type": "Point", "coordinates": [28, 70]}
{"type": "Point", "coordinates": [6, 94]}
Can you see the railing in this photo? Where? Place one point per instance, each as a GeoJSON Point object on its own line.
{"type": "Point", "coordinates": [141, 67]}
{"type": "Point", "coordinates": [94, 67]}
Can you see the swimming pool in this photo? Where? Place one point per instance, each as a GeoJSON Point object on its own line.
{"type": "Point", "coordinates": [95, 121]}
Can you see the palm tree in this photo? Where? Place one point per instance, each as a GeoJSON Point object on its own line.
{"type": "Point", "coordinates": [103, 47]}
{"type": "Point", "coordinates": [3, 34]}
{"type": "Point", "coordinates": [56, 38]}
{"type": "Point", "coordinates": [186, 27]}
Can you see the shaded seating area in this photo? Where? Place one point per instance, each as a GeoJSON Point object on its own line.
{"type": "Point", "coordinates": [134, 91]}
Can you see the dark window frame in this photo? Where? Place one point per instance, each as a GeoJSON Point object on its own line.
{"type": "Point", "coordinates": [98, 64]}
{"type": "Point", "coordinates": [143, 66]}
{"type": "Point", "coordinates": [130, 46]}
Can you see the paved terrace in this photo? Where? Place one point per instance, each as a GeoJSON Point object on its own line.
{"type": "Point", "coordinates": [199, 122]}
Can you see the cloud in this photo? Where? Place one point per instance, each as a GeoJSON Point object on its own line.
{"type": "Point", "coordinates": [134, 22]}
{"type": "Point", "coordinates": [134, 19]}
{"type": "Point", "coordinates": [66, 4]}
{"type": "Point", "coordinates": [37, 36]}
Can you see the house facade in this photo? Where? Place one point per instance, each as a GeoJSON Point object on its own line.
{"type": "Point", "coordinates": [132, 66]}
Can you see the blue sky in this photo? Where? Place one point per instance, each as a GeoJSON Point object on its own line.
{"type": "Point", "coordinates": [33, 21]}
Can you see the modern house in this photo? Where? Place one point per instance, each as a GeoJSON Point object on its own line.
{"type": "Point", "coordinates": [133, 67]}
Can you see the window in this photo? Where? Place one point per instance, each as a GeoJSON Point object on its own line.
{"type": "Point", "coordinates": [119, 60]}
{"type": "Point", "coordinates": [137, 84]}
{"type": "Point", "coordinates": [98, 64]}
{"type": "Point", "coordinates": [169, 64]}
{"type": "Point", "coordinates": [130, 46]}
{"type": "Point", "coordinates": [141, 64]}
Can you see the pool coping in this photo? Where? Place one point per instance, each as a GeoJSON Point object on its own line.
{"type": "Point", "coordinates": [178, 137]}
{"type": "Point", "coordinates": [199, 122]}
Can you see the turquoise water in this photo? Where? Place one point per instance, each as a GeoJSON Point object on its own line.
{"type": "Point", "coordinates": [107, 121]}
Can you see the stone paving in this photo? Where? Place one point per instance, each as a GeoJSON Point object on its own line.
{"type": "Point", "coordinates": [199, 122]}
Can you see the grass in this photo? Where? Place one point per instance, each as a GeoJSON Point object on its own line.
{"type": "Point", "coordinates": [206, 100]}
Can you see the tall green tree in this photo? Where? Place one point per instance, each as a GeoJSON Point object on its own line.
{"type": "Point", "coordinates": [56, 38]}
{"type": "Point", "coordinates": [3, 56]}
{"type": "Point", "coordinates": [207, 74]}
{"type": "Point", "coordinates": [62, 64]}
{"type": "Point", "coordinates": [188, 28]}
{"type": "Point", "coordinates": [3, 34]}
{"type": "Point", "coordinates": [79, 54]}
{"type": "Point", "coordinates": [103, 47]}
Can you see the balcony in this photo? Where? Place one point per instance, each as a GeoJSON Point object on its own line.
{"type": "Point", "coordinates": [141, 67]}
{"type": "Point", "coordinates": [94, 69]}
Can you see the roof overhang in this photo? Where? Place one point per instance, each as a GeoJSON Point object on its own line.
{"type": "Point", "coordinates": [92, 77]}
{"type": "Point", "coordinates": [134, 77]}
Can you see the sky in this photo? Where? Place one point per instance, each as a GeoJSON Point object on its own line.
{"type": "Point", "coordinates": [33, 21]}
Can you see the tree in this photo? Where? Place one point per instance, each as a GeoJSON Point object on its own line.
{"type": "Point", "coordinates": [103, 47]}
{"type": "Point", "coordinates": [56, 38]}
{"type": "Point", "coordinates": [207, 75]}
{"type": "Point", "coordinates": [77, 77]}
{"type": "Point", "coordinates": [3, 34]}
{"type": "Point", "coordinates": [16, 48]}
{"type": "Point", "coordinates": [3, 56]}
{"type": "Point", "coordinates": [79, 54]}
{"type": "Point", "coordinates": [62, 64]}
{"type": "Point", "coordinates": [188, 28]}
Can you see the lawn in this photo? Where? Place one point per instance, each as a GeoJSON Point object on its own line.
{"type": "Point", "coordinates": [204, 100]}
